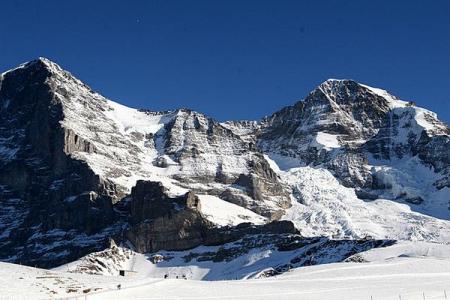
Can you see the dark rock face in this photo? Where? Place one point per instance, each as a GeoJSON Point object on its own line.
{"type": "Point", "coordinates": [161, 222]}
{"type": "Point", "coordinates": [430, 146]}
{"type": "Point", "coordinates": [218, 236]}
{"type": "Point", "coordinates": [175, 231]}
{"type": "Point", "coordinates": [434, 150]}
{"type": "Point", "coordinates": [40, 181]}
{"type": "Point", "coordinates": [149, 200]}
{"type": "Point", "coordinates": [259, 184]}
{"type": "Point", "coordinates": [350, 168]}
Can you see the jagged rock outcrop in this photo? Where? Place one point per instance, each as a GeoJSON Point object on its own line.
{"type": "Point", "coordinates": [282, 253]}
{"type": "Point", "coordinates": [211, 155]}
{"type": "Point", "coordinates": [149, 200]}
{"type": "Point", "coordinates": [161, 222]}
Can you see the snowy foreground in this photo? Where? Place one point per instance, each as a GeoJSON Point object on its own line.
{"type": "Point", "coordinates": [409, 270]}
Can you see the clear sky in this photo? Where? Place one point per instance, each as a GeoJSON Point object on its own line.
{"type": "Point", "coordinates": [235, 59]}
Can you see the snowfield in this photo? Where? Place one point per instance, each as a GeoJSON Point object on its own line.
{"type": "Point", "coordinates": [409, 270]}
{"type": "Point", "coordinates": [225, 213]}
{"type": "Point", "coordinates": [410, 278]}
{"type": "Point", "coordinates": [325, 207]}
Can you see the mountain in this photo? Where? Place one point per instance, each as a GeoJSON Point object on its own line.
{"type": "Point", "coordinates": [342, 123]}
{"type": "Point", "coordinates": [77, 170]}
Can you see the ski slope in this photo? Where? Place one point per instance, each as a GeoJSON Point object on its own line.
{"type": "Point", "coordinates": [409, 270]}
{"type": "Point", "coordinates": [409, 277]}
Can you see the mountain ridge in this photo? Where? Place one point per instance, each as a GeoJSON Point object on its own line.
{"type": "Point", "coordinates": [346, 154]}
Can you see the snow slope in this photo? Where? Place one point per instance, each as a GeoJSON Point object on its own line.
{"type": "Point", "coordinates": [409, 269]}
{"type": "Point", "coordinates": [410, 278]}
{"type": "Point", "coordinates": [225, 213]}
{"type": "Point", "coordinates": [324, 207]}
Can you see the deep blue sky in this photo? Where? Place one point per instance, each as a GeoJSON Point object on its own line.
{"type": "Point", "coordinates": [235, 59]}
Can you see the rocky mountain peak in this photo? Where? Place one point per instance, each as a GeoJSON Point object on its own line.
{"type": "Point", "coordinates": [343, 108]}
{"type": "Point", "coordinates": [44, 72]}
{"type": "Point", "coordinates": [335, 84]}
{"type": "Point", "coordinates": [42, 62]}
{"type": "Point", "coordinates": [344, 92]}
{"type": "Point", "coordinates": [31, 67]}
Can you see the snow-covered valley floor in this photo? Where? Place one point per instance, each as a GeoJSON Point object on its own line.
{"type": "Point", "coordinates": [410, 270]}
{"type": "Point", "coordinates": [408, 277]}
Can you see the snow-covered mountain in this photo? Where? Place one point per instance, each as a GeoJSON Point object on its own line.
{"type": "Point", "coordinates": [347, 162]}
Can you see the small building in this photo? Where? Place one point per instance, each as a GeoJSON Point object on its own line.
{"type": "Point", "coordinates": [127, 273]}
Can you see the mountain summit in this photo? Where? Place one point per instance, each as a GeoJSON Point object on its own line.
{"type": "Point", "coordinates": [76, 169]}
